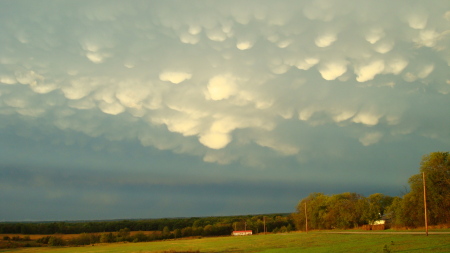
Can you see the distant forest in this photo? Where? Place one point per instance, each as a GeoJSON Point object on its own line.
{"type": "Point", "coordinates": [178, 227]}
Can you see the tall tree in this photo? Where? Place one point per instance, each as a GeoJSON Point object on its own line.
{"type": "Point", "coordinates": [377, 205]}
{"type": "Point", "coordinates": [436, 167]}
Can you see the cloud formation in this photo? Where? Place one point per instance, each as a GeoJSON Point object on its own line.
{"type": "Point", "coordinates": [245, 83]}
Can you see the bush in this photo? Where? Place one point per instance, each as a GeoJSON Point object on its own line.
{"type": "Point", "coordinates": [108, 238]}
{"type": "Point", "coordinates": [85, 239]}
{"type": "Point", "coordinates": [56, 241]}
{"type": "Point", "coordinates": [43, 240]}
{"type": "Point", "coordinates": [140, 237]}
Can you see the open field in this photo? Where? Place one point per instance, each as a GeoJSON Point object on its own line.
{"type": "Point", "coordinates": [291, 242]}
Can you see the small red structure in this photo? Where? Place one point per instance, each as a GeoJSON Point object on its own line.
{"type": "Point", "coordinates": [242, 232]}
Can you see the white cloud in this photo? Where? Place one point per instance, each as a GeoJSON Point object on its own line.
{"type": "Point", "coordinates": [370, 138]}
{"type": "Point", "coordinates": [344, 115]}
{"type": "Point", "coordinates": [215, 140]}
{"type": "Point", "coordinates": [95, 57]}
{"type": "Point", "coordinates": [283, 148]}
{"type": "Point", "coordinates": [384, 46]}
{"type": "Point", "coordinates": [44, 88]}
{"type": "Point", "coordinates": [7, 80]}
{"type": "Point", "coordinates": [369, 71]}
{"type": "Point", "coordinates": [307, 63]}
{"type": "Point", "coordinates": [111, 108]}
{"type": "Point", "coordinates": [396, 66]}
{"type": "Point", "coordinates": [332, 70]}
{"type": "Point", "coordinates": [374, 35]}
{"type": "Point", "coordinates": [221, 87]}
{"type": "Point", "coordinates": [174, 77]}
{"type": "Point", "coordinates": [417, 20]}
{"type": "Point", "coordinates": [325, 40]}
{"type": "Point", "coordinates": [244, 45]}
{"type": "Point", "coordinates": [366, 118]}
{"type": "Point", "coordinates": [425, 71]}
{"type": "Point", "coordinates": [427, 38]}
{"type": "Point", "coordinates": [79, 88]}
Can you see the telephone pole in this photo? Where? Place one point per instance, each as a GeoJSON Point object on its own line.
{"type": "Point", "coordinates": [425, 202]}
{"type": "Point", "coordinates": [306, 219]}
{"type": "Point", "coordinates": [264, 217]}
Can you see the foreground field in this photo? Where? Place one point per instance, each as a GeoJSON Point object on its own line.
{"type": "Point", "coordinates": [290, 242]}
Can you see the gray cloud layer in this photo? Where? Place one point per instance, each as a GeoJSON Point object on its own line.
{"type": "Point", "coordinates": [260, 87]}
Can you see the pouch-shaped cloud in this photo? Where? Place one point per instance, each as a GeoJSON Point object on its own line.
{"type": "Point", "coordinates": [396, 66]}
{"type": "Point", "coordinates": [427, 38]}
{"type": "Point", "coordinates": [215, 140]}
{"type": "Point", "coordinates": [417, 20]}
{"type": "Point", "coordinates": [131, 95]}
{"type": "Point", "coordinates": [185, 126]}
{"type": "Point", "coordinates": [111, 108]}
{"type": "Point", "coordinates": [369, 71]}
{"type": "Point", "coordinates": [7, 80]}
{"type": "Point", "coordinates": [216, 34]}
{"type": "Point", "coordinates": [221, 87]}
{"type": "Point", "coordinates": [425, 71]}
{"type": "Point", "coordinates": [28, 77]}
{"type": "Point", "coordinates": [374, 35]}
{"type": "Point", "coordinates": [95, 57]}
{"type": "Point", "coordinates": [366, 118]}
{"type": "Point", "coordinates": [325, 40]}
{"type": "Point", "coordinates": [188, 38]}
{"type": "Point", "coordinates": [384, 46]}
{"type": "Point", "coordinates": [244, 45]}
{"type": "Point", "coordinates": [307, 63]}
{"type": "Point", "coordinates": [343, 115]}
{"type": "Point", "coordinates": [218, 135]}
{"type": "Point", "coordinates": [283, 148]}
{"type": "Point", "coordinates": [370, 138]}
{"type": "Point", "coordinates": [332, 70]}
{"type": "Point", "coordinates": [174, 76]}
{"type": "Point", "coordinates": [78, 88]}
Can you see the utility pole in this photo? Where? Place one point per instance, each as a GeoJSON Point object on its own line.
{"type": "Point", "coordinates": [306, 219]}
{"type": "Point", "coordinates": [264, 217]}
{"type": "Point", "coordinates": [425, 202]}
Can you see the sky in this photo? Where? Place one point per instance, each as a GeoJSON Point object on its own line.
{"type": "Point", "coordinates": [151, 109]}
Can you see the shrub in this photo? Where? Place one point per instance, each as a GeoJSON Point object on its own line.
{"type": "Point", "coordinates": [108, 238]}
{"type": "Point", "coordinates": [56, 241]}
{"type": "Point", "coordinates": [43, 240]}
{"type": "Point", "coordinates": [140, 237]}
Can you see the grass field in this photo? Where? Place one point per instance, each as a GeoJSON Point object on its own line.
{"type": "Point", "coordinates": [291, 242]}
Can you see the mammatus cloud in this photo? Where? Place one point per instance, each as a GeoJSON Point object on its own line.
{"type": "Point", "coordinates": [193, 77]}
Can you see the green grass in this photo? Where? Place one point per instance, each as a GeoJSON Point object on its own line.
{"type": "Point", "coordinates": [292, 242]}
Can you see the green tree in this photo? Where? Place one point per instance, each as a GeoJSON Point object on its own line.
{"type": "Point", "coordinates": [107, 237]}
{"type": "Point", "coordinates": [436, 167]}
{"type": "Point", "coordinates": [344, 211]}
{"type": "Point", "coordinates": [177, 233]}
{"type": "Point", "coordinates": [377, 204]}
{"type": "Point", "coordinates": [394, 212]}
{"type": "Point", "coordinates": [56, 241]}
{"type": "Point", "coordinates": [316, 209]}
{"type": "Point", "coordinates": [166, 232]}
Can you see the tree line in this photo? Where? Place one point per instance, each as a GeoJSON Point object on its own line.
{"type": "Point", "coordinates": [196, 226]}
{"type": "Point", "coordinates": [121, 231]}
{"type": "Point", "coordinates": [351, 210]}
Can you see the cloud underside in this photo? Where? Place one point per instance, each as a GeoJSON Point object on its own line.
{"type": "Point", "coordinates": [219, 81]}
